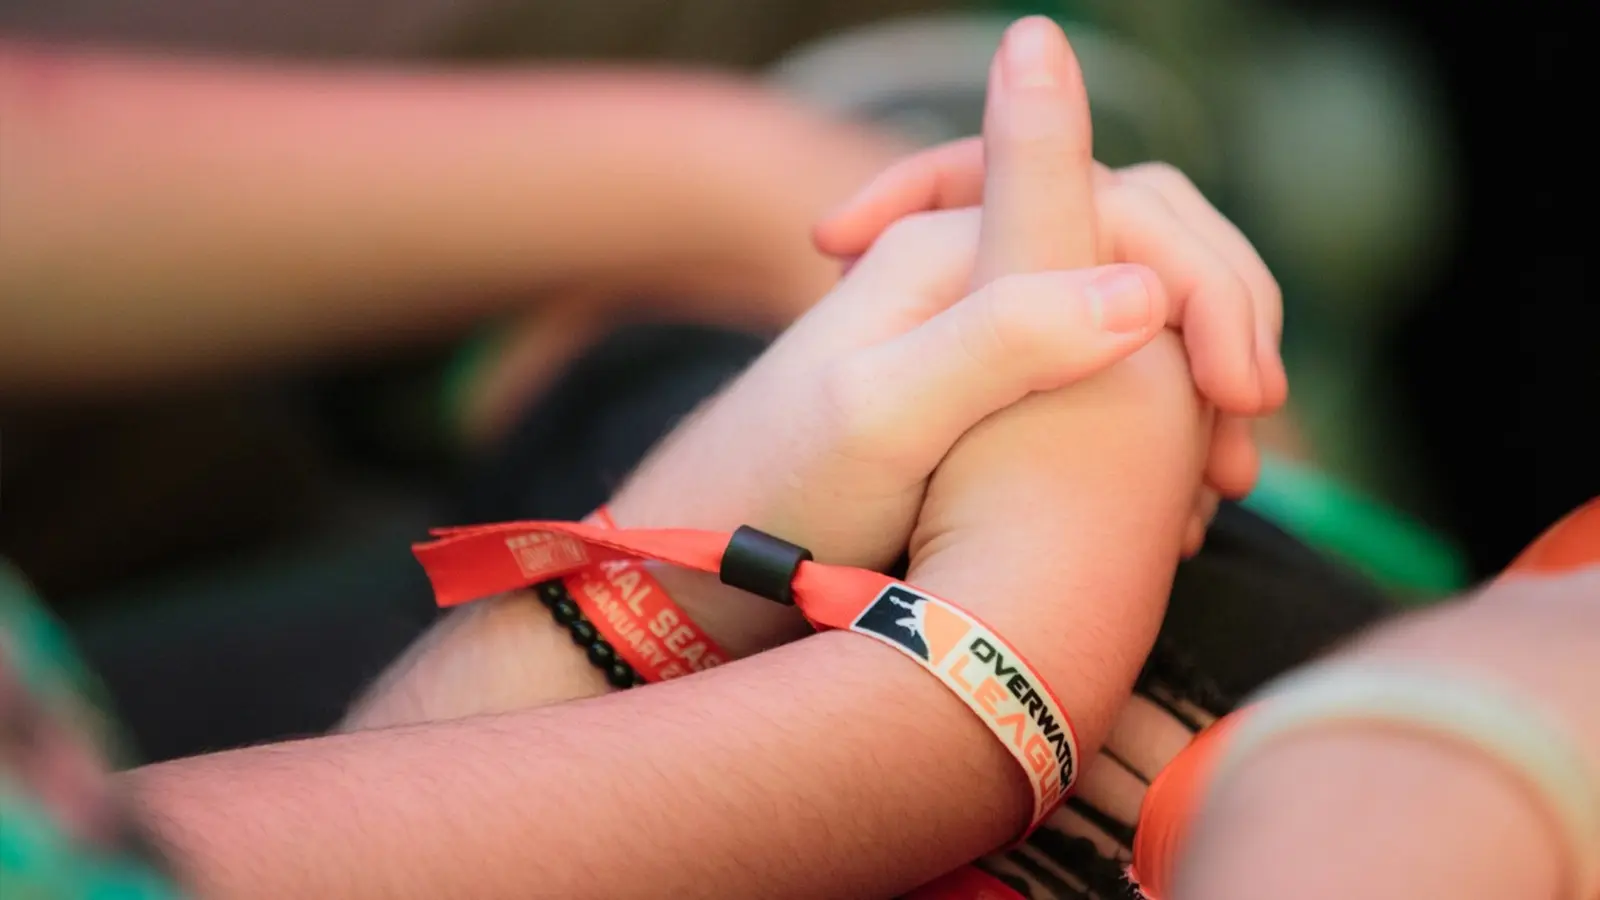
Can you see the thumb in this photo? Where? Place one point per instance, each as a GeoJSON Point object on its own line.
{"type": "Point", "coordinates": [1038, 143]}
{"type": "Point", "coordinates": [1016, 335]}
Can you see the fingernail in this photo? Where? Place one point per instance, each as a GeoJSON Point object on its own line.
{"type": "Point", "coordinates": [1119, 302]}
{"type": "Point", "coordinates": [1029, 53]}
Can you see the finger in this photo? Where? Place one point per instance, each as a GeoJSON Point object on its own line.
{"type": "Point", "coordinates": [1205, 510]}
{"type": "Point", "coordinates": [1234, 463]}
{"type": "Point", "coordinates": [918, 267]}
{"type": "Point", "coordinates": [1211, 303]}
{"type": "Point", "coordinates": [1038, 196]}
{"type": "Point", "coordinates": [1274, 374]}
{"type": "Point", "coordinates": [1019, 334]}
{"type": "Point", "coordinates": [1192, 205]}
{"type": "Point", "coordinates": [949, 176]}
{"type": "Point", "coordinates": [1230, 243]}
{"type": "Point", "coordinates": [1194, 538]}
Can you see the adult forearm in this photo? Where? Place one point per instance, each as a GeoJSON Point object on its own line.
{"type": "Point", "coordinates": [163, 217]}
{"type": "Point", "coordinates": [832, 767]}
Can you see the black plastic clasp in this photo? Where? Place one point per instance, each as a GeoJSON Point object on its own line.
{"type": "Point", "coordinates": [762, 564]}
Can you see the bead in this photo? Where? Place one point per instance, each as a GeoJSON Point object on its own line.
{"type": "Point", "coordinates": [583, 633]}
{"type": "Point", "coordinates": [565, 612]}
{"type": "Point", "coordinates": [619, 675]}
{"type": "Point", "coordinates": [600, 654]}
{"type": "Point", "coordinates": [551, 591]}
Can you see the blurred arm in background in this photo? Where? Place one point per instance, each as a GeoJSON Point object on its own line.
{"type": "Point", "coordinates": [1364, 808]}
{"type": "Point", "coordinates": [165, 219]}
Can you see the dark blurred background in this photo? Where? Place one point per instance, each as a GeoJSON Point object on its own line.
{"type": "Point", "coordinates": [1411, 169]}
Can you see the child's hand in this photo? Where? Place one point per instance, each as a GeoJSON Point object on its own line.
{"type": "Point", "coordinates": [1225, 300]}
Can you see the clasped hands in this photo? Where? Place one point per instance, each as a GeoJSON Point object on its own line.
{"type": "Point", "coordinates": [893, 412]}
{"type": "Point", "coordinates": [1033, 364]}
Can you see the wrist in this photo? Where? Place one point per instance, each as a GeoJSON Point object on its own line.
{"type": "Point", "coordinates": [742, 624]}
{"type": "Point", "coordinates": [1316, 816]}
{"type": "Point", "coordinates": [496, 655]}
{"type": "Point", "coordinates": [1061, 521]}
{"type": "Point", "coordinates": [1090, 652]}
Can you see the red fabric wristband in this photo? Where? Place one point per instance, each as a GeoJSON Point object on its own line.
{"type": "Point", "coordinates": [982, 669]}
{"type": "Point", "coordinates": [636, 615]}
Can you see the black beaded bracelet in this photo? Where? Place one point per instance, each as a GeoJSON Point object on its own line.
{"type": "Point", "coordinates": [553, 594]}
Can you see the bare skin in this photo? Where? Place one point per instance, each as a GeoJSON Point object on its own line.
{"type": "Point", "coordinates": [1392, 815]}
{"type": "Point", "coordinates": [169, 219]}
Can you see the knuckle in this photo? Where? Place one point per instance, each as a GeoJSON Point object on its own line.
{"type": "Point", "coordinates": [1270, 294]}
{"type": "Point", "coordinates": [1138, 200]}
{"type": "Point", "coordinates": [1134, 215]}
{"type": "Point", "coordinates": [1163, 176]}
{"type": "Point", "coordinates": [907, 234]}
{"type": "Point", "coordinates": [1007, 331]}
{"type": "Point", "coordinates": [1175, 188]}
{"type": "Point", "coordinates": [1045, 145]}
{"type": "Point", "coordinates": [1047, 155]}
{"type": "Point", "coordinates": [919, 264]}
{"type": "Point", "coordinates": [1147, 228]}
{"type": "Point", "coordinates": [1224, 287]}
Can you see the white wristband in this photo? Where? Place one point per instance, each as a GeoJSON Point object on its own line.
{"type": "Point", "coordinates": [1526, 742]}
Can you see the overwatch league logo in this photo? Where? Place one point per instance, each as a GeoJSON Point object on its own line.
{"type": "Point", "coordinates": [906, 618]}
{"type": "Point", "coordinates": [989, 676]}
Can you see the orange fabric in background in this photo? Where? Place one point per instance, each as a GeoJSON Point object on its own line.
{"type": "Point", "coordinates": [1169, 808]}
{"type": "Point", "coordinates": [1572, 543]}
